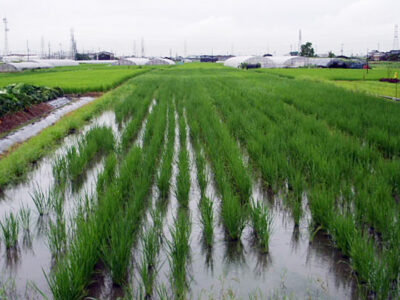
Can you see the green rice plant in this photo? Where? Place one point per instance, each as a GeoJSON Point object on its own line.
{"type": "Point", "coordinates": [57, 237]}
{"type": "Point", "coordinates": [10, 230]}
{"type": "Point", "coordinates": [207, 219]}
{"type": "Point", "coordinates": [148, 268]}
{"type": "Point", "coordinates": [116, 249]}
{"type": "Point", "coordinates": [164, 177]}
{"type": "Point", "coordinates": [60, 171]}
{"type": "Point", "coordinates": [108, 173]}
{"type": "Point", "coordinates": [183, 177]}
{"type": "Point", "coordinates": [233, 216]}
{"type": "Point", "coordinates": [178, 252]}
{"type": "Point", "coordinates": [42, 200]}
{"type": "Point", "coordinates": [261, 221]}
{"type": "Point", "coordinates": [343, 231]}
{"type": "Point", "coordinates": [25, 218]}
{"type": "Point", "coordinates": [73, 271]}
{"type": "Point", "coordinates": [97, 141]}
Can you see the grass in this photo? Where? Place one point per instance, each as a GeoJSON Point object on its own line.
{"type": "Point", "coordinates": [79, 79]}
{"type": "Point", "coordinates": [10, 230]}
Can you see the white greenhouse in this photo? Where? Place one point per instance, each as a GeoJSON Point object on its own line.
{"type": "Point", "coordinates": [57, 62]}
{"type": "Point", "coordinates": [268, 61]}
{"type": "Point", "coordinates": [97, 62]}
{"type": "Point", "coordinates": [160, 61]}
{"type": "Point", "coordinates": [128, 61]}
{"type": "Point", "coordinates": [21, 66]}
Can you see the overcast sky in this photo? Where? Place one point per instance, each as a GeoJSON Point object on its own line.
{"type": "Point", "coordinates": [218, 26]}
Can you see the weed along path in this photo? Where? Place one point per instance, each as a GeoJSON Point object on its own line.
{"type": "Point", "coordinates": [204, 182]}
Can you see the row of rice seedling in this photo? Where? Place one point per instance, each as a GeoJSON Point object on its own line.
{"type": "Point", "coordinates": [358, 114]}
{"type": "Point", "coordinates": [183, 177]}
{"type": "Point", "coordinates": [73, 273]}
{"type": "Point", "coordinates": [327, 164]}
{"type": "Point", "coordinates": [97, 141]}
{"type": "Point", "coordinates": [119, 241]}
{"type": "Point", "coordinates": [164, 178]}
{"type": "Point", "coordinates": [231, 176]}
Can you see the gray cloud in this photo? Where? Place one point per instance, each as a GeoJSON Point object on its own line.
{"type": "Point", "coordinates": [251, 27]}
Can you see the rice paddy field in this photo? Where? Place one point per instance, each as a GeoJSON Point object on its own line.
{"type": "Point", "coordinates": [206, 182]}
{"type": "Point", "coordinates": [76, 79]}
{"type": "Point", "coordinates": [361, 81]}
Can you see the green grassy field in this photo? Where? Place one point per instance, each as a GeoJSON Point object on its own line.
{"type": "Point", "coordinates": [330, 155]}
{"type": "Point", "coordinates": [355, 80]}
{"type": "Point", "coordinates": [76, 79]}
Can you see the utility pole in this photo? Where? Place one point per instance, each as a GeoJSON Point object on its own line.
{"type": "Point", "coordinates": [134, 48]}
{"type": "Point", "coordinates": [396, 37]}
{"type": "Point", "coordinates": [341, 49]}
{"type": "Point", "coordinates": [42, 47]}
{"type": "Point", "coordinates": [6, 29]}
{"type": "Point", "coordinates": [27, 50]}
{"type": "Point", "coordinates": [49, 50]}
{"type": "Point", "coordinates": [142, 47]}
{"type": "Point", "coordinates": [299, 50]}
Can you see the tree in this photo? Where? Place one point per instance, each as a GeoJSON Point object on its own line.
{"type": "Point", "coordinates": [307, 50]}
{"type": "Point", "coordinates": [331, 54]}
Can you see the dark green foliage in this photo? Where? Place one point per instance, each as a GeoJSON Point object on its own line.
{"type": "Point", "coordinates": [19, 96]}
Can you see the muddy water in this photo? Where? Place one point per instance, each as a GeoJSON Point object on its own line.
{"type": "Point", "coordinates": [33, 256]}
{"type": "Point", "coordinates": [31, 130]}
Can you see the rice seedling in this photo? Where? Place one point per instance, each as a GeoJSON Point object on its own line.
{"type": "Point", "coordinates": [207, 219]}
{"type": "Point", "coordinates": [97, 141]}
{"type": "Point", "coordinates": [42, 200]}
{"type": "Point", "coordinates": [57, 237]}
{"type": "Point", "coordinates": [116, 253]}
{"type": "Point", "coordinates": [108, 173]}
{"type": "Point", "coordinates": [148, 268]}
{"type": "Point", "coordinates": [178, 252]}
{"type": "Point", "coordinates": [25, 218]}
{"type": "Point", "coordinates": [164, 177]}
{"type": "Point", "coordinates": [261, 221]}
{"type": "Point", "coordinates": [10, 230]}
{"type": "Point", "coordinates": [234, 217]}
{"type": "Point", "coordinates": [60, 171]}
{"type": "Point", "coordinates": [183, 178]}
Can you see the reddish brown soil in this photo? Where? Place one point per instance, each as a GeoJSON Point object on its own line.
{"type": "Point", "coordinates": [13, 120]}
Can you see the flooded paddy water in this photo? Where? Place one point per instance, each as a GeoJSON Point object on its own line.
{"type": "Point", "coordinates": [25, 267]}
{"type": "Point", "coordinates": [296, 265]}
